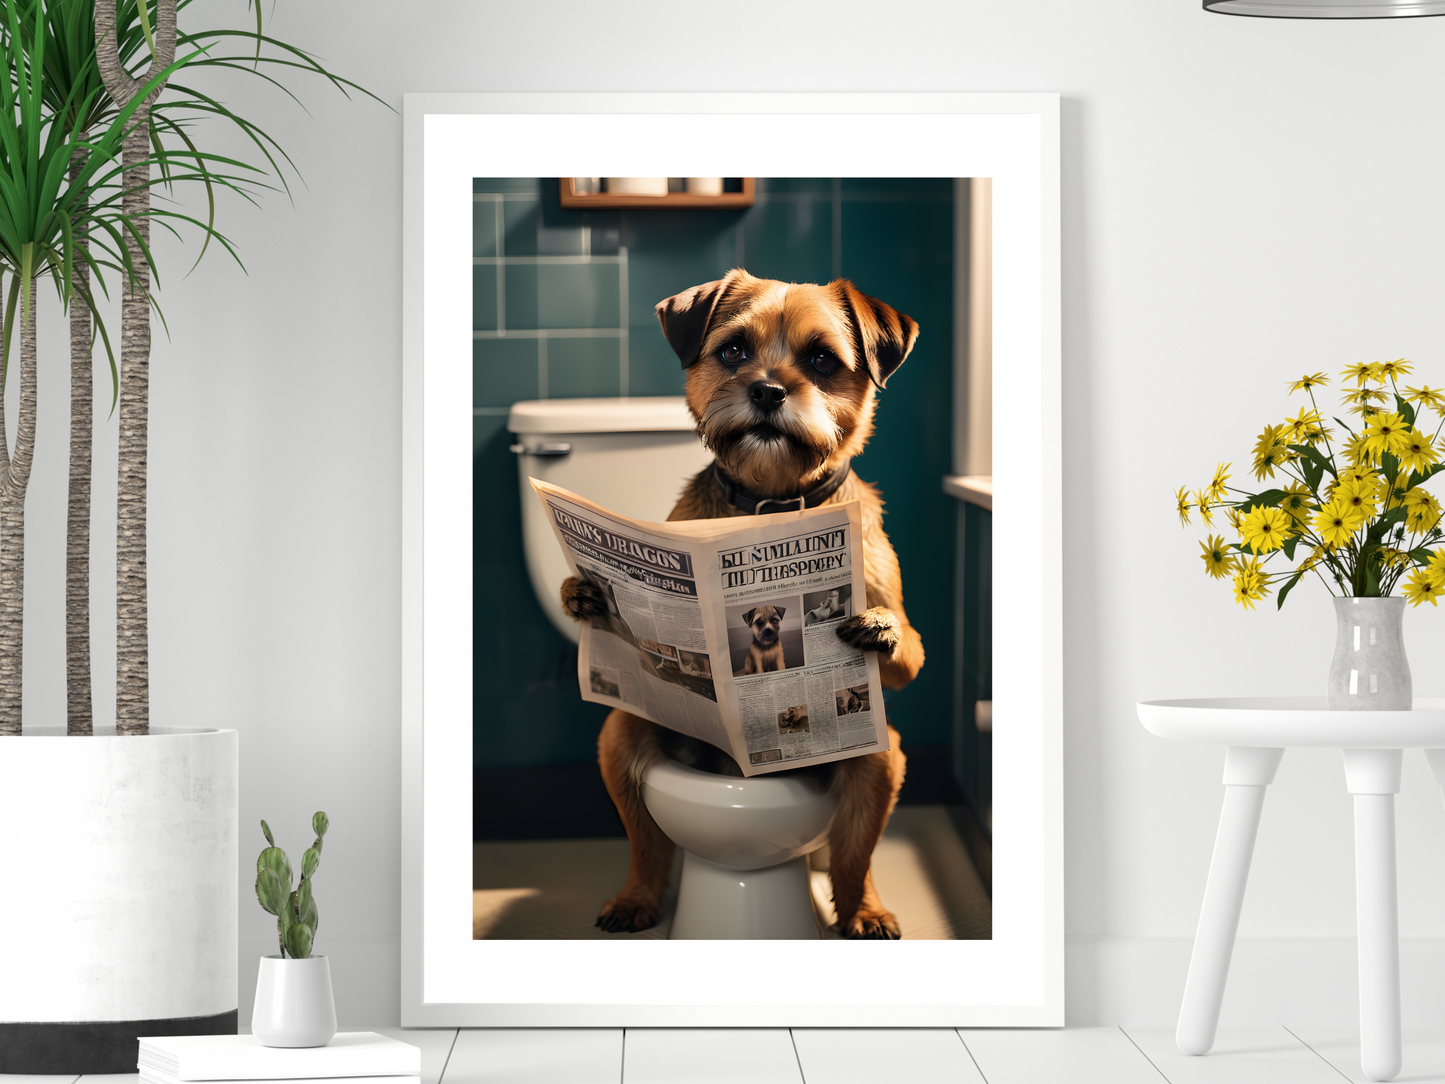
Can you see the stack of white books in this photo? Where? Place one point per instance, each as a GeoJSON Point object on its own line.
{"type": "Point", "coordinates": [352, 1057]}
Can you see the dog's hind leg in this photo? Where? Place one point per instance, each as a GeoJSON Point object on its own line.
{"type": "Point", "coordinates": [866, 789]}
{"type": "Point", "coordinates": [626, 748]}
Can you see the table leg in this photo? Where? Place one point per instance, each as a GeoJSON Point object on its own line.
{"type": "Point", "coordinates": [1247, 772]}
{"type": "Point", "coordinates": [1373, 777]}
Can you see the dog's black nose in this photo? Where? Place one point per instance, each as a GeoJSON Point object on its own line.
{"type": "Point", "coordinates": [767, 394]}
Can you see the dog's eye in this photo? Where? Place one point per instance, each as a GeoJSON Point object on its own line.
{"type": "Point", "coordinates": [825, 361]}
{"type": "Point", "coordinates": [732, 354]}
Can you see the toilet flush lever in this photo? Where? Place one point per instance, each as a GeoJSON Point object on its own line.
{"type": "Point", "coordinates": [547, 449]}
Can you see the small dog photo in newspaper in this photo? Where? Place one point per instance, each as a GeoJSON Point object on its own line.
{"type": "Point", "coordinates": [765, 636]}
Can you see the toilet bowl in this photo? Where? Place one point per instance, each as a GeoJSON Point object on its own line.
{"type": "Point", "coordinates": [632, 456]}
{"type": "Point", "coordinates": [745, 844]}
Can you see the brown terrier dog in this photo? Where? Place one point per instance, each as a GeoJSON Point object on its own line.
{"type": "Point", "coordinates": [766, 650]}
{"type": "Point", "coordinates": [780, 378]}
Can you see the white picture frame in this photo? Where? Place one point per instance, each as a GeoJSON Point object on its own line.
{"type": "Point", "coordinates": [1014, 979]}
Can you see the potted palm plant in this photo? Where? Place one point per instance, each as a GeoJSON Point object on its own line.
{"type": "Point", "coordinates": [133, 834]}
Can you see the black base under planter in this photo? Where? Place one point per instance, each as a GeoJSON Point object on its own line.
{"type": "Point", "coordinates": [106, 1046]}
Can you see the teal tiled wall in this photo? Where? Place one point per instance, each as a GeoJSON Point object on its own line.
{"type": "Point", "coordinates": [575, 301]}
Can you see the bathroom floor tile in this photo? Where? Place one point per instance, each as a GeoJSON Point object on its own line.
{"type": "Point", "coordinates": [533, 1056]}
{"type": "Point", "coordinates": [709, 1056]}
{"type": "Point", "coordinates": [1270, 1055]}
{"type": "Point", "coordinates": [871, 1055]}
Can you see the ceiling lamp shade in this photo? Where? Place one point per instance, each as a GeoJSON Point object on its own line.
{"type": "Point", "coordinates": [1328, 9]}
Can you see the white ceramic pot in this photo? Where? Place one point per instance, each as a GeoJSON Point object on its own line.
{"type": "Point", "coordinates": [1369, 671]}
{"type": "Point", "coordinates": [704, 186]}
{"type": "Point", "coordinates": [294, 1003]}
{"type": "Point", "coordinates": [121, 856]}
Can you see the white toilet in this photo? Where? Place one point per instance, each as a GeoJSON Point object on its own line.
{"type": "Point", "coordinates": [745, 841]}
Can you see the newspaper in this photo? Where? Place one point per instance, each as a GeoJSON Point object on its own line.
{"type": "Point", "coordinates": [726, 629]}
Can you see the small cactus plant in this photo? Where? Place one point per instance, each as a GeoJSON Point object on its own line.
{"type": "Point", "coordinates": [296, 916]}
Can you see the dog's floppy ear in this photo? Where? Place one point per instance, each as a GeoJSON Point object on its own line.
{"type": "Point", "coordinates": [882, 335]}
{"type": "Point", "coordinates": [748, 617]}
{"type": "Point", "coordinates": [781, 611]}
{"type": "Point", "coordinates": [685, 317]}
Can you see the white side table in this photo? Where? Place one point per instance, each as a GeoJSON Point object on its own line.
{"type": "Point", "coordinates": [1257, 731]}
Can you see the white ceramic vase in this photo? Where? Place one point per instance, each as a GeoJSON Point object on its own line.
{"type": "Point", "coordinates": [120, 915]}
{"type": "Point", "coordinates": [294, 1003]}
{"type": "Point", "coordinates": [1369, 671]}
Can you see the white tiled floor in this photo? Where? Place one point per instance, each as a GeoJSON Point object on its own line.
{"type": "Point", "coordinates": [1273, 1055]}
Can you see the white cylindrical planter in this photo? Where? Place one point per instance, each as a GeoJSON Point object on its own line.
{"type": "Point", "coordinates": [122, 855]}
{"type": "Point", "coordinates": [1369, 671]}
{"type": "Point", "coordinates": [294, 1003]}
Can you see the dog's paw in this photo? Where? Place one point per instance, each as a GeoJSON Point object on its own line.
{"type": "Point", "coordinates": [581, 600]}
{"type": "Point", "coordinates": [872, 925]}
{"type": "Point", "coordinates": [872, 630]}
{"type": "Point", "coordinates": [624, 914]}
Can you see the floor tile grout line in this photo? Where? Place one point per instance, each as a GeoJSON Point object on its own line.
{"type": "Point", "coordinates": [622, 1065]}
{"type": "Point", "coordinates": [443, 1074]}
{"type": "Point", "coordinates": [1315, 1052]}
{"type": "Point", "coordinates": [981, 1074]}
{"type": "Point", "coordinates": [1146, 1057]}
{"type": "Point", "coordinates": [802, 1076]}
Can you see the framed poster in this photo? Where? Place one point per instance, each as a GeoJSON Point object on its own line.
{"type": "Point", "coordinates": [462, 150]}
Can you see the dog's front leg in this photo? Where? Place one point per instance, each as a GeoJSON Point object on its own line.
{"type": "Point", "coordinates": [581, 600]}
{"type": "Point", "coordinates": [899, 647]}
{"type": "Point", "coordinates": [626, 747]}
{"type": "Point", "coordinates": [866, 789]}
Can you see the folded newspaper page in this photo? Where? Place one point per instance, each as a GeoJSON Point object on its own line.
{"type": "Point", "coordinates": [726, 629]}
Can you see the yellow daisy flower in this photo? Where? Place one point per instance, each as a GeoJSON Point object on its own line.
{"type": "Point", "coordinates": [1264, 529]}
{"type": "Point", "coordinates": [1337, 522]}
{"type": "Point", "coordinates": [1385, 433]}
{"type": "Point", "coordinates": [1218, 561]}
{"type": "Point", "coordinates": [1423, 515]}
{"type": "Point", "coordinates": [1249, 583]}
{"type": "Point", "coordinates": [1316, 555]}
{"type": "Point", "coordinates": [1296, 502]}
{"type": "Point", "coordinates": [1201, 501]}
{"type": "Point", "coordinates": [1363, 398]}
{"type": "Point", "coordinates": [1354, 451]}
{"type": "Point", "coordinates": [1418, 452]}
{"type": "Point", "coordinates": [1270, 451]}
{"type": "Point", "coordinates": [1306, 428]}
{"type": "Point", "coordinates": [1362, 371]}
{"type": "Point", "coordinates": [1426, 396]}
{"type": "Point", "coordinates": [1393, 370]}
{"type": "Point", "coordinates": [1308, 382]}
{"type": "Point", "coordinates": [1182, 497]}
{"type": "Point", "coordinates": [1216, 484]}
{"type": "Point", "coordinates": [1235, 517]}
{"type": "Point", "coordinates": [1360, 494]}
{"type": "Point", "coordinates": [1422, 587]}
{"type": "Point", "coordinates": [1437, 564]}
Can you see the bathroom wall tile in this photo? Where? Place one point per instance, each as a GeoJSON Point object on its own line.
{"type": "Point", "coordinates": [562, 295]}
{"type": "Point", "coordinates": [503, 371]}
{"type": "Point", "coordinates": [915, 189]}
{"type": "Point", "coordinates": [652, 367]}
{"type": "Point", "coordinates": [484, 228]}
{"type": "Point", "coordinates": [770, 185]}
{"type": "Point", "coordinates": [484, 428]}
{"type": "Point", "coordinates": [520, 218]}
{"type": "Point", "coordinates": [790, 240]}
{"type": "Point", "coordinates": [484, 297]}
{"type": "Point", "coordinates": [583, 368]}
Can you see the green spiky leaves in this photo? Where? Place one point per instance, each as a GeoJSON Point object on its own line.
{"type": "Point", "coordinates": [295, 911]}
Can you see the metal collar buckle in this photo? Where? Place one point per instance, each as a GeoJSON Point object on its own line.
{"type": "Point", "coordinates": [790, 504]}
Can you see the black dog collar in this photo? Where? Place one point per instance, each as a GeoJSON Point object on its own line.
{"type": "Point", "coordinates": [739, 497]}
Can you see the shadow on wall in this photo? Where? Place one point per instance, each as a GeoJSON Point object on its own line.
{"type": "Point", "coordinates": [584, 326]}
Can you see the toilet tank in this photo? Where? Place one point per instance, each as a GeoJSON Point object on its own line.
{"type": "Point", "coordinates": [630, 455]}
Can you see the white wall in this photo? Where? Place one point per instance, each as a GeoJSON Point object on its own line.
{"type": "Point", "coordinates": [1244, 200]}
